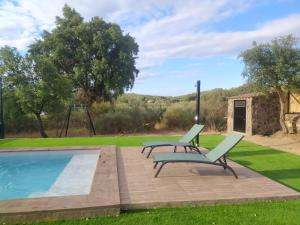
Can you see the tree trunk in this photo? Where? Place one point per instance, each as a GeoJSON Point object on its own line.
{"type": "Point", "coordinates": [42, 129]}
{"type": "Point", "coordinates": [282, 99]}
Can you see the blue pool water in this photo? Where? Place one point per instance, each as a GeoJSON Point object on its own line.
{"type": "Point", "coordinates": [25, 173]}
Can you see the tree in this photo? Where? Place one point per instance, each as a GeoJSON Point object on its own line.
{"type": "Point", "coordinates": [274, 67]}
{"type": "Point", "coordinates": [95, 55]}
{"type": "Point", "coordinates": [37, 85]}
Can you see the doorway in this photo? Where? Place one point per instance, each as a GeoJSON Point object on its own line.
{"type": "Point", "coordinates": [239, 123]}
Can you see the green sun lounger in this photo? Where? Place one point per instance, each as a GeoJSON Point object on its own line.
{"type": "Point", "coordinates": [216, 157]}
{"type": "Point", "coordinates": [186, 141]}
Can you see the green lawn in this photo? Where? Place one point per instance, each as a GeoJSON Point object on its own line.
{"type": "Point", "coordinates": [261, 213]}
{"type": "Point", "coordinates": [277, 165]}
{"type": "Point", "coordinates": [80, 141]}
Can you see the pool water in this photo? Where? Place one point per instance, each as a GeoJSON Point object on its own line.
{"type": "Point", "coordinates": [24, 174]}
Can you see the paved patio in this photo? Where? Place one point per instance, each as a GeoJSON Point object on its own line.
{"type": "Point", "coordinates": [181, 184]}
{"type": "Point", "coordinates": [124, 179]}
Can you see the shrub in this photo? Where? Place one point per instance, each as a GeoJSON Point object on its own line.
{"type": "Point", "coordinates": [179, 115]}
{"type": "Point", "coordinates": [130, 117]}
{"type": "Point", "coordinates": [213, 116]}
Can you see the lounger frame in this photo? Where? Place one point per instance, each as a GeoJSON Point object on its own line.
{"type": "Point", "coordinates": [191, 147]}
{"type": "Point", "coordinates": [220, 162]}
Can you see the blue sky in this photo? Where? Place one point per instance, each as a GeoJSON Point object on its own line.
{"type": "Point", "coordinates": [180, 41]}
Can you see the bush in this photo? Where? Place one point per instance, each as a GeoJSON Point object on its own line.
{"type": "Point", "coordinates": [213, 116]}
{"type": "Point", "coordinates": [179, 115]}
{"type": "Point", "coordinates": [16, 121]}
{"type": "Point", "coordinates": [182, 115]}
{"type": "Point", "coordinates": [128, 117]}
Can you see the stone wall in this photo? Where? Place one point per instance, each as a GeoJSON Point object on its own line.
{"type": "Point", "coordinates": [265, 114]}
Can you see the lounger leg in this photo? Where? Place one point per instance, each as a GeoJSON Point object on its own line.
{"type": "Point", "coordinates": [159, 169]}
{"type": "Point", "coordinates": [195, 149]}
{"type": "Point", "coordinates": [185, 149]}
{"type": "Point", "coordinates": [175, 148]}
{"type": "Point", "coordinates": [149, 153]}
{"type": "Point", "coordinates": [228, 167]}
{"type": "Point", "coordinates": [222, 163]}
{"type": "Point", "coordinates": [224, 158]}
{"type": "Point", "coordinates": [155, 165]}
{"type": "Point", "coordinates": [143, 150]}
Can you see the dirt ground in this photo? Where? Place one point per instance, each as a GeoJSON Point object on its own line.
{"type": "Point", "coordinates": [289, 143]}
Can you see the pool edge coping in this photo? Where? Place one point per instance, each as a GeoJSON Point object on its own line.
{"type": "Point", "coordinates": [102, 200]}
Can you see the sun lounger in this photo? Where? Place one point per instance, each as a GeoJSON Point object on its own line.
{"type": "Point", "coordinates": [216, 157]}
{"type": "Point", "coordinates": [187, 141]}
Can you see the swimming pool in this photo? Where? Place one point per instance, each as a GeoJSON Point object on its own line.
{"type": "Point", "coordinates": [46, 173]}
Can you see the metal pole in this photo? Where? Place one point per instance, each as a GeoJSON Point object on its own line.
{"type": "Point", "coordinates": [90, 119]}
{"type": "Point", "coordinates": [68, 120]}
{"type": "Point", "coordinates": [198, 107]}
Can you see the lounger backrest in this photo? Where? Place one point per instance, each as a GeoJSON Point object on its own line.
{"type": "Point", "coordinates": [192, 133]}
{"type": "Point", "coordinates": [224, 147]}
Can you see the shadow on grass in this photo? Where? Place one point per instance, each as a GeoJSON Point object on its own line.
{"type": "Point", "coordinates": [282, 173]}
{"type": "Point", "coordinates": [244, 163]}
{"type": "Point", "coordinates": [255, 152]}
{"type": "Point", "coordinates": [133, 211]}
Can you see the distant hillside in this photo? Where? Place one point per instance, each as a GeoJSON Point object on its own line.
{"type": "Point", "coordinates": [179, 111]}
{"type": "Point", "coordinates": [217, 94]}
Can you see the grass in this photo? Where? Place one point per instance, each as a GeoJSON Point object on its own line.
{"type": "Point", "coordinates": [259, 213]}
{"type": "Point", "coordinates": [280, 166]}
{"type": "Point", "coordinates": [81, 141]}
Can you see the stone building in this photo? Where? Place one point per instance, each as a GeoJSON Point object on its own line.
{"type": "Point", "coordinates": [256, 113]}
{"type": "Point", "coordinates": [253, 113]}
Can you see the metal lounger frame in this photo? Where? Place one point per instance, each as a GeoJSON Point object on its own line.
{"type": "Point", "coordinates": [192, 147]}
{"type": "Point", "coordinates": [220, 162]}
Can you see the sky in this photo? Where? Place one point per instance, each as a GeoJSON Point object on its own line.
{"type": "Point", "coordinates": [180, 41]}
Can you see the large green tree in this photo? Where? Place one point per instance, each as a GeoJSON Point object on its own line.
{"type": "Point", "coordinates": [35, 81]}
{"type": "Point", "coordinates": [274, 67]}
{"type": "Point", "coordinates": [95, 55]}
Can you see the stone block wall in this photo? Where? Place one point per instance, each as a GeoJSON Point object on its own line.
{"type": "Point", "coordinates": [265, 114]}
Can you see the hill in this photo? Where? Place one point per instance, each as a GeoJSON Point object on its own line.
{"type": "Point", "coordinates": [179, 112]}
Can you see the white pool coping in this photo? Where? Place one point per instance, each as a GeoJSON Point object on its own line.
{"type": "Point", "coordinates": [76, 178]}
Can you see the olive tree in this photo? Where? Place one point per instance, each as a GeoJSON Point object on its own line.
{"type": "Point", "coordinates": [274, 67]}
{"type": "Point", "coordinates": [37, 85]}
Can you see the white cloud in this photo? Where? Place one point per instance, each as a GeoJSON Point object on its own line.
{"type": "Point", "coordinates": [163, 29]}
{"type": "Point", "coordinates": [203, 44]}
{"type": "Point", "coordinates": [147, 74]}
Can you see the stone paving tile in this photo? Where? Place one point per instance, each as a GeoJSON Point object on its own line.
{"type": "Point", "coordinates": [188, 182]}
